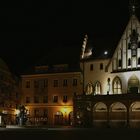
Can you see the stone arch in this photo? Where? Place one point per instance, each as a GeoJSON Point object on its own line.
{"type": "Point", "coordinates": [97, 88]}
{"type": "Point", "coordinates": [133, 84]}
{"type": "Point", "coordinates": [117, 85]}
{"type": "Point", "coordinates": [118, 114]}
{"type": "Point", "coordinates": [100, 114]}
{"type": "Point", "coordinates": [134, 114]}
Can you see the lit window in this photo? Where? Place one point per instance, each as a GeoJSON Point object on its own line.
{"type": "Point", "coordinates": [117, 87]}
{"type": "Point", "coordinates": [98, 88]}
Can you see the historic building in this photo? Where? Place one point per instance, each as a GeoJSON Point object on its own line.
{"type": "Point", "coordinates": [111, 85]}
{"type": "Point", "coordinates": [9, 95]}
{"type": "Point", "coordinates": [47, 93]}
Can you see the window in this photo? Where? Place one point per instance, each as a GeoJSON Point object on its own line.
{"type": "Point", "coordinates": [120, 62]}
{"type": "Point", "coordinates": [139, 61]}
{"type": "Point", "coordinates": [65, 82]}
{"type": "Point", "coordinates": [98, 88]}
{"type": "Point", "coordinates": [91, 67]}
{"type": "Point", "coordinates": [27, 84]}
{"type": "Point", "coordinates": [89, 89]}
{"type": "Point", "coordinates": [36, 99]}
{"type": "Point", "coordinates": [74, 82]}
{"type": "Point", "coordinates": [129, 62]}
{"type": "Point", "coordinates": [55, 99]}
{"type": "Point", "coordinates": [45, 99]}
{"type": "Point", "coordinates": [45, 83]}
{"type": "Point", "coordinates": [101, 66]}
{"type": "Point", "coordinates": [65, 98]}
{"type": "Point", "coordinates": [55, 83]}
{"type": "Point", "coordinates": [117, 86]}
{"type": "Point", "coordinates": [36, 84]}
{"type": "Point", "coordinates": [27, 99]}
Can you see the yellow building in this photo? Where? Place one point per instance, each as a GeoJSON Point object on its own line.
{"type": "Point", "coordinates": [47, 93]}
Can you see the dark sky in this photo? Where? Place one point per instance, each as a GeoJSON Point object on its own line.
{"type": "Point", "coordinates": [32, 30]}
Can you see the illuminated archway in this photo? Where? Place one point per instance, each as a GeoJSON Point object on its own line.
{"type": "Point", "coordinates": [133, 84]}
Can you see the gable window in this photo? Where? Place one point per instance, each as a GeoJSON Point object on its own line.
{"type": "Point", "coordinates": [101, 66]}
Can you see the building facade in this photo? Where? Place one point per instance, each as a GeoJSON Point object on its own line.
{"type": "Point", "coordinates": [9, 95]}
{"type": "Point", "coordinates": [111, 85]}
{"type": "Point", "coordinates": [47, 94]}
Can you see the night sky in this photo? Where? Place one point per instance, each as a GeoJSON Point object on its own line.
{"type": "Point", "coordinates": [33, 30]}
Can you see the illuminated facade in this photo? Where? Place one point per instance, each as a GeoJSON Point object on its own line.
{"type": "Point", "coordinates": [112, 85]}
{"type": "Point", "coordinates": [9, 95]}
{"type": "Point", "coordinates": [48, 92]}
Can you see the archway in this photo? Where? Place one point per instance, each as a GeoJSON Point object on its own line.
{"type": "Point", "coordinates": [133, 84]}
{"type": "Point", "coordinates": [100, 114]}
{"type": "Point", "coordinates": [118, 114]}
{"type": "Point", "coordinates": [135, 114]}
